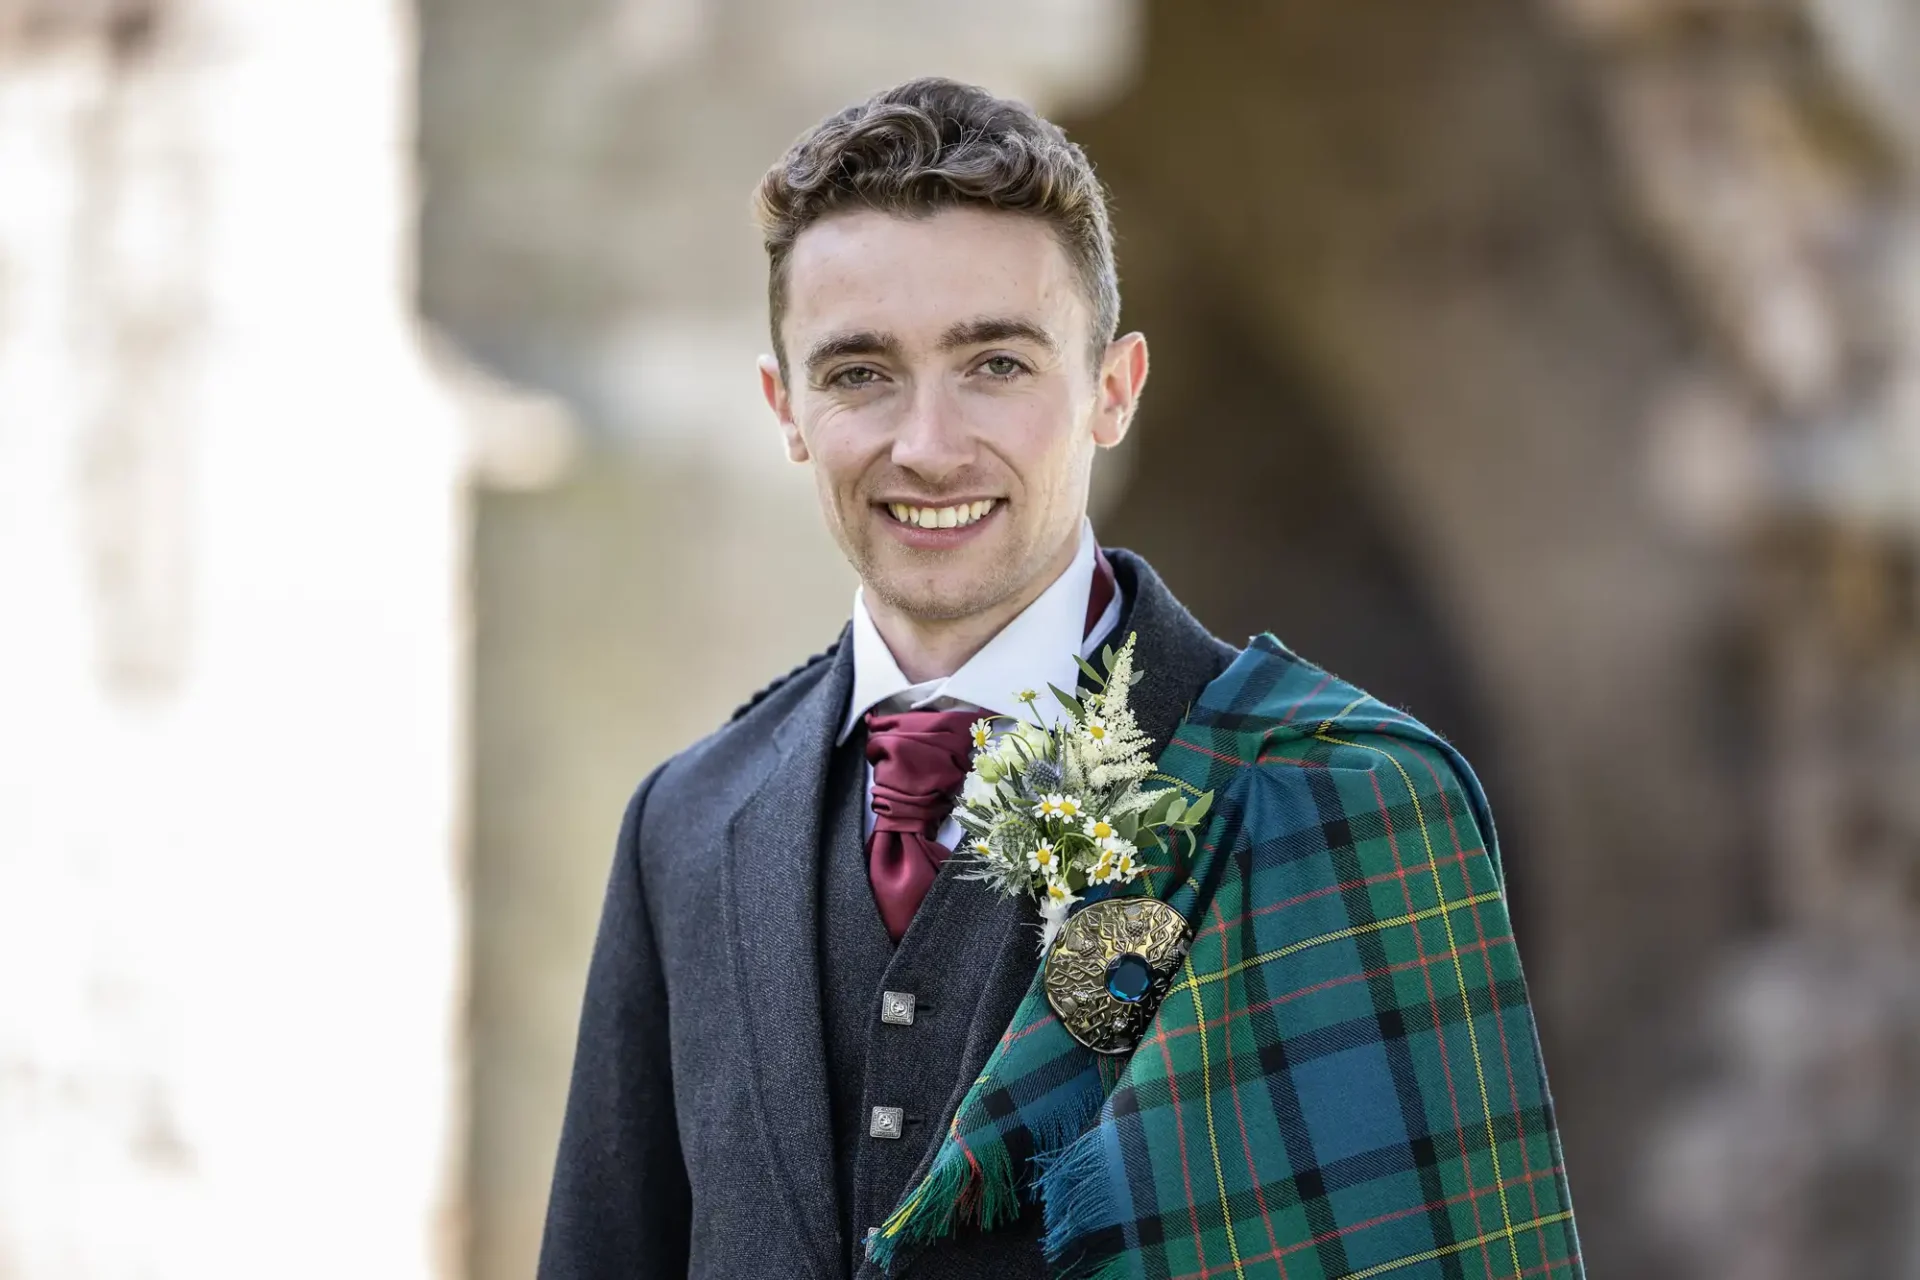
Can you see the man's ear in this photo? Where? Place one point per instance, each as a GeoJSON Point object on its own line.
{"type": "Point", "coordinates": [1123, 372]}
{"type": "Point", "coordinates": [774, 388]}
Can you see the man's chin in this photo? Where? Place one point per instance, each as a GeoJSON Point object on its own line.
{"type": "Point", "coordinates": [938, 604]}
{"type": "Point", "coordinates": [945, 595]}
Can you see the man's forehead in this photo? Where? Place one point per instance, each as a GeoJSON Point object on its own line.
{"type": "Point", "coordinates": [916, 278]}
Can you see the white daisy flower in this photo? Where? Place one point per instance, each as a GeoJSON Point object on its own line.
{"type": "Point", "coordinates": [1105, 869]}
{"type": "Point", "coordinates": [982, 732]}
{"type": "Point", "coordinates": [1095, 730]}
{"type": "Point", "coordinates": [1125, 868]}
{"type": "Point", "coordinates": [1044, 858]}
{"type": "Point", "coordinates": [1052, 805]}
{"type": "Point", "coordinates": [1099, 829]}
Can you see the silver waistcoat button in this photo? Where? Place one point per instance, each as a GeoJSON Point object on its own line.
{"type": "Point", "coordinates": [896, 1008]}
{"type": "Point", "coordinates": [887, 1122]}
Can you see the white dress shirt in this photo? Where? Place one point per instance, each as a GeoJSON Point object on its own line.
{"type": "Point", "coordinates": [1034, 650]}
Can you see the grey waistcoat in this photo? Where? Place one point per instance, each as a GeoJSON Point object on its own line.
{"type": "Point", "coordinates": [962, 934]}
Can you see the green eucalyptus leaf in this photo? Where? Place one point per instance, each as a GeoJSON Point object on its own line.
{"type": "Point", "coordinates": [1099, 681]}
{"type": "Point", "coordinates": [1070, 702]}
{"type": "Point", "coordinates": [1198, 809]}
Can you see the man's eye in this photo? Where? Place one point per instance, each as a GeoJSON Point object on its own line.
{"type": "Point", "coordinates": [857, 376]}
{"type": "Point", "coordinates": [1003, 367]}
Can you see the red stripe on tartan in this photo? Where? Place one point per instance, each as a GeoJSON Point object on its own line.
{"type": "Point", "coordinates": [976, 1186]}
{"type": "Point", "coordinates": [1433, 1003]}
{"type": "Point", "coordinates": [1238, 763]}
{"type": "Point", "coordinates": [1447, 1203]}
{"type": "Point", "coordinates": [1198, 750]}
{"type": "Point", "coordinates": [1325, 680]}
{"type": "Point", "coordinates": [1314, 1241]}
{"type": "Point", "coordinates": [1552, 1265]}
{"type": "Point", "coordinates": [1180, 1129]}
{"type": "Point", "coordinates": [1499, 1023]}
{"type": "Point", "coordinates": [1239, 1115]}
{"type": "Point", "coordinates": [1013, 1037]}
{"type": "Point", "coordinates": [1341, 981]}
{"type": "Point", "coordinates": [1400, 875]}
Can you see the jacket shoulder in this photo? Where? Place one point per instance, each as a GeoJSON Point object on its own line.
{"type": "Point", "coordinates": [710, 771]}
{"type": "Point", "coordinates": [817, 660]}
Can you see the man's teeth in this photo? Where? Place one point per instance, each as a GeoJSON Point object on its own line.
{"type": "Point", "coordinates": [941, 517]}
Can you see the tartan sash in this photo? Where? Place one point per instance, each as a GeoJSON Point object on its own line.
{"type": "Point", "coordinates": [1344, 1080]}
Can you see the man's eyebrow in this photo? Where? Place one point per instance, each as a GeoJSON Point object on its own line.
{"type": "Point", "coordinates": [975, 333]}
{"type": "Point", "coordinates": [861, 342]}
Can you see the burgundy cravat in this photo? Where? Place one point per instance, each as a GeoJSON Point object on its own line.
{"type": "Point", "coordinates": [919, 760]}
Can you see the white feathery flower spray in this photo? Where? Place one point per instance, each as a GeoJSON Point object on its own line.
{"type": "Point", "coordinates": [1057, 812]}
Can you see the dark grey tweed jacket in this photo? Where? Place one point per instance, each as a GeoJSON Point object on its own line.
{"type": "Point", "coordinates": [731, 1049]}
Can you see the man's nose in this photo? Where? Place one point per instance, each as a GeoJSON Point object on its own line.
{"type": "Point", "coordinates": [933, 441]}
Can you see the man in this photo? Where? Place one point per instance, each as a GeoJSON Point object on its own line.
{"type": "Point", "coordinates": [812, 1046]}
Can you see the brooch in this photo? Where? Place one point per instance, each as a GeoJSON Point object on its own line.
{"type": "Point", "coordinates": [1111, 965]}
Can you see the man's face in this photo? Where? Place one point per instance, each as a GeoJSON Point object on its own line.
{"type": "Point", "coordinates": [939, 379]}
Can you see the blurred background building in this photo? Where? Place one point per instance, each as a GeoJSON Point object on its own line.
{"type": "Point", "coordinates": [384, 489]}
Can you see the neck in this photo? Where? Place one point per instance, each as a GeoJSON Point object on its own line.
{"type": "Point", "coordinates": [932, 649]}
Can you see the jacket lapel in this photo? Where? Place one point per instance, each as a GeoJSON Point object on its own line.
{"type": "Point", "coordinates": [771, 866]}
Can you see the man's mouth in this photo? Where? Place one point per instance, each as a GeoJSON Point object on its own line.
{"type": "Point", "coordinates": [956, 517]}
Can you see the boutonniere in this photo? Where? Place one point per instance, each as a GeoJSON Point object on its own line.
{"type": "Point", "coordinates": [1061, 811]}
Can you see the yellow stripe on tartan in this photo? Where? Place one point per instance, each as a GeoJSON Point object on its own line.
{"type": "Point", "coordinates": [1213, 1139]}
{"type": "Point", "coordinates": [1343, 713]}
{"type": "Point", "coordinates": [1292, 948]}
{"type": "Point", "coordinates": [1460, 976]}
{"type": "Point", "coordinates": [1461, 1247]}
{"type": "Point", "coordinates": [905, 1211]}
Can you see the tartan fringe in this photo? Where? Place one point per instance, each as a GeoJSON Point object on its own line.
{"type": "Point", "coordinates": [948, 1191]}
{"type": "Point", "coordinates": [984, 1189]}
{"type": "Point", "coordinates": [1078, 1199]}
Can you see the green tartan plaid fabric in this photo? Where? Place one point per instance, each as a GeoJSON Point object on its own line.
{"type": "Point", "coordinates": [1345, 1079]}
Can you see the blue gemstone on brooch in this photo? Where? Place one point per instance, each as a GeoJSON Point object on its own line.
{"type": "Point", "coordinates": [1129, 977]}
{"type": "Point", "coordinates": [1110, 965]}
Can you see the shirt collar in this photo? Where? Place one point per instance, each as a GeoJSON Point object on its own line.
{"type": "Point", "coordinates": [1034, 650]}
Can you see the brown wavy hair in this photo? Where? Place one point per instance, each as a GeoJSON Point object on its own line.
{"type": "Point", "coordinates": [935, 144]}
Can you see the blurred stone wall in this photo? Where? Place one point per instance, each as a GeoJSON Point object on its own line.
{"type": "Point", "coordinates": [231, 654]}
{"type": "Point", "coordinates": [1772, 154]}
